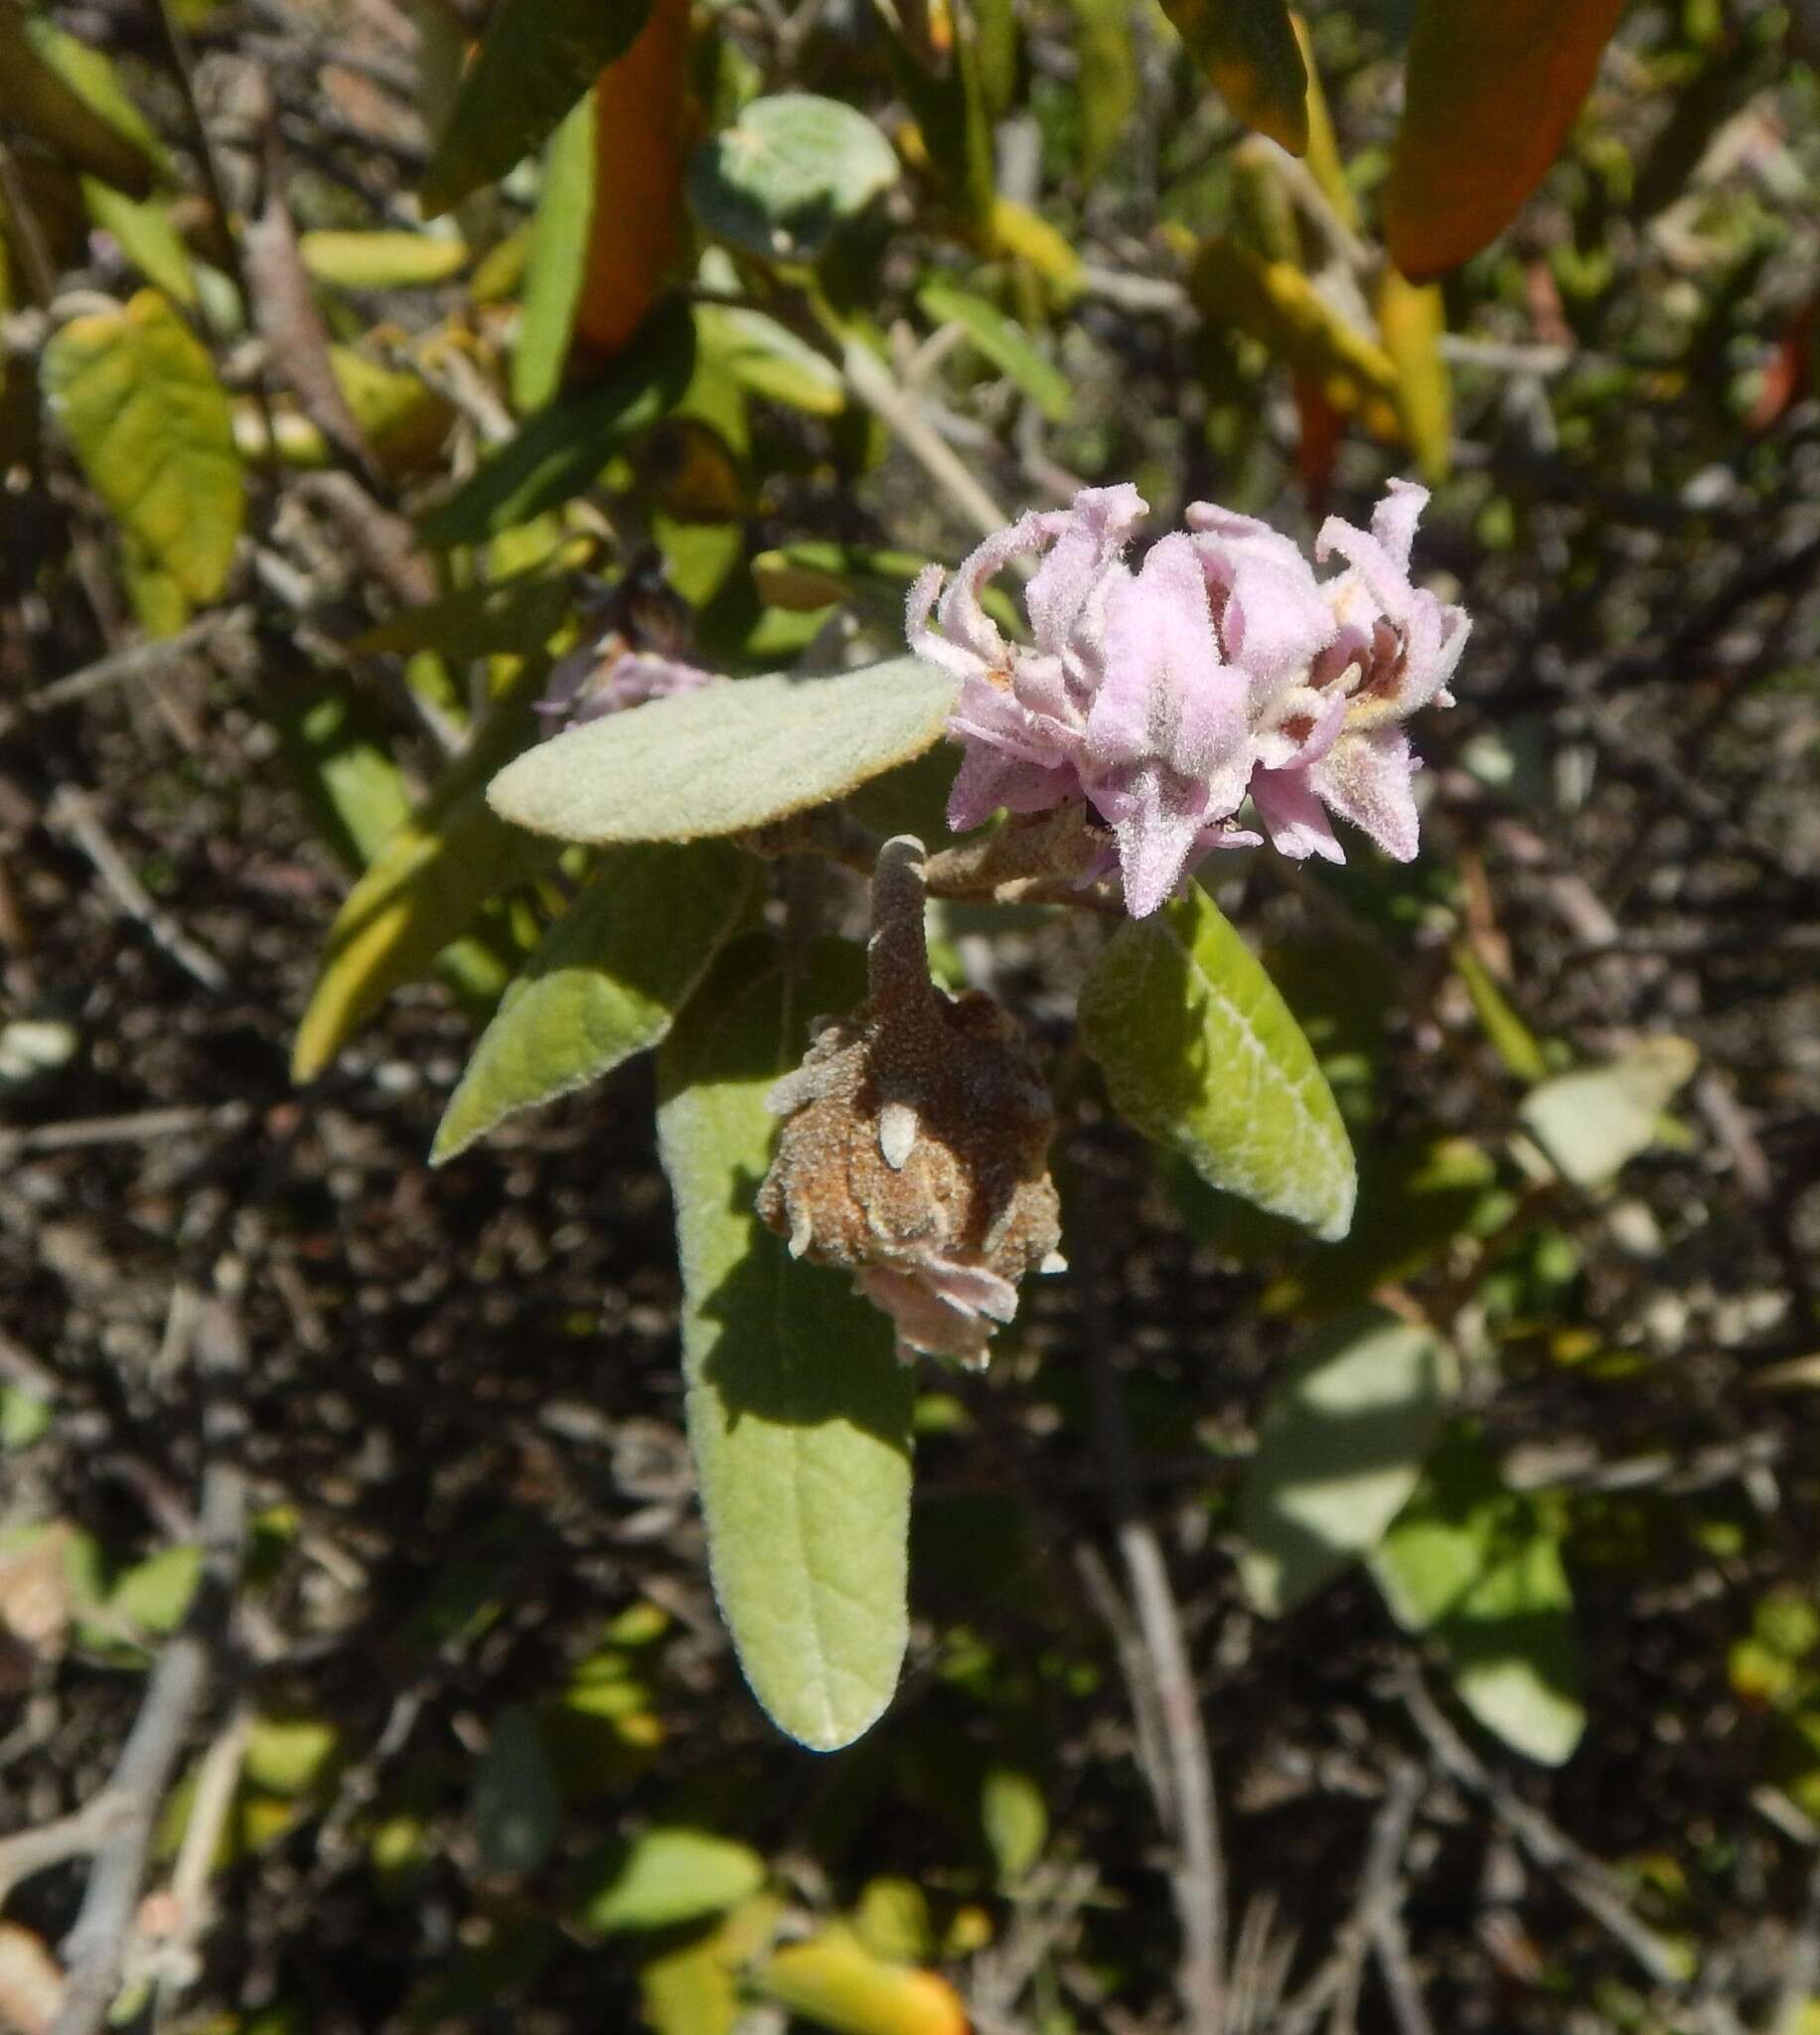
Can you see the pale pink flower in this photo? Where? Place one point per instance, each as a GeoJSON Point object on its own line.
{"type": "Point", "coordinates": [1159, 697]}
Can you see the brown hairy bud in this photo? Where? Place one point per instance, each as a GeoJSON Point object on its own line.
{"type": "Point", "coordinates": [915, 1145]}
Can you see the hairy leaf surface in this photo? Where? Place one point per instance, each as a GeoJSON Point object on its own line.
{"type": "Point", "coordinates": [726, 757]}
{"type": "Point", "coordinates": [799, 1413]}
{"type": "Point", "coordinates": [1201, 1054]}
{"type": "Point", "coordinates": [606, 981]}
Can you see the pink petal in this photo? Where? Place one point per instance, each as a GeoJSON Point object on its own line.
{"type": "Point", "coordinates": [1272, 619]}
{"type": "Point", "coordinates": [1366, 778]}
{"type": "Point", "coordinates": [963, 621]}
{"type": "Point", "coordinates": [1293, 817]}
{"type": "Point", "coordinates": [1394, 519]}
{"type": "Point", "coordinates": [1086, 539]}
{"type": "Point", "coordinates": [1155, 817]}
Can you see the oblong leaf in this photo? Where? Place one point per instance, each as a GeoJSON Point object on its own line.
{"type": "Point", "coordinates": [1411, 322]}
{"type": "Point", "coordinates": [1005, 344]}
{"type": "Point", "coordinates": [1201, 1054]}
{"type": "Point", "coordinates": [563, 449]}
{"type": "Point", "coordinates": [1593, 1122]}
{"type": "Point", "coordinates": [1339, 1449]}
{"type": "Point", "coordinates": [1249, 50]}
{"type": "Point", "coordinates": [725, 757]}
{"type": "Point", "coordinates": [553, 265]}
{"type": "Point", "coordinates": [833, 1981]}
{"type": "Point", "coordinates": [389, 260]}
{"type": "Point", "coordinates": [666, 1876]}
{"type": "Point", "coordinates": [153, 428]}
{"type": "Point", "coordinates": [606, 982]}
{"type": "Point", "coordinates": [535, 61]}
{"type": "Point", "coordinates": [1490, 94]}
{"type": "Point", "coordinates": [799, 1413]}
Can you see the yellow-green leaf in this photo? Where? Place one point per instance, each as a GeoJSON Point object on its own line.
{"type": "Point", "coordinates": [557, 257]}
{"type": "Point", "coordinates": [136, 393]}
{"type": "Point", "coordinates": [833, 1981]}
{"type": "Point", "coordinates": [1410, 321]}
{"type": "Point", "coordinates": [1277, 305]}
{"type": "Point", "coordinates": [1491, 93]}
{"type": "Point", "coordinates": [666, 1876]}
{"type": "Point", "coordinates": [1248, 48]}
{"type": "Point", "coordinates": [146, 238]}
{"type": "Point", "coordinates": [392, 260]}
{"type": "Point", "coordinates": [1593, 1122]}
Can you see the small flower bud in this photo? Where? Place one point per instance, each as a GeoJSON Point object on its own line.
{"type": "Point", "coordinates": [915, 1145]}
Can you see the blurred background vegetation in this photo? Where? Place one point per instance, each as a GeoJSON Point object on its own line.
{"type": "Point", "coordinates": [302, 487]}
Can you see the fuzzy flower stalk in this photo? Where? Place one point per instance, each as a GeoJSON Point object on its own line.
{"type": "Point", "coordinates": [914, 1148]}
{"type": "Point", "coordinates": [1220, 668]}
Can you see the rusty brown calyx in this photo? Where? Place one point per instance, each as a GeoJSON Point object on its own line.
{"type": "Point", "coordinates": [915, 1144]}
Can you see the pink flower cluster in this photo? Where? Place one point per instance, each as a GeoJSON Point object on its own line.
{"type": "Point", "coordinates": [1221, 665]}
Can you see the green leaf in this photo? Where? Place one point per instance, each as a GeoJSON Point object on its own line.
{"type": "Point", "coordinates": [1478, 1567]}
{"type": "Point", "coordinates": [1003, 344]}
{"type": "Point", "coordinates": [425, 888]}
{"type": "Point", "coordinates": [562, 450]}
{"type": "Point", "coordinates": [557, 261]}
{"type": "Point", "coordinates": [1491, 93]}
{"type": "Point", "coordinates": [1015, 1819]}
{"type": "Point", "coordinates": [146, 238]}
{"type": "Point", "coordinates": [290, 1755]}
{"type": "Point", "coordinates": [65, 94]}
{"type": "Point", "coordinates": [768, 359]}
{"type": "Point", "coordinates": [605, 982]}
{"type": "Point", "coordinates": [536, 61]}
{"type": "Point", "coordinates": [1511, 1039]}
{"type": "Point", "coordinates": [515, 1797]}
{"type": "Point", "coordinates": [1594, 1122]}
{"type": "Point", "coordinates": [1339, 1450]}
{"type": "Point", "coordinates": [666, 1876]}
{"type": "Point", "coordinates": [153, 1595]}
{"type": "Point", "coordinates": [725, 757]}
{"type": "Point", "coordinates": [799, 1413]}
{"type": "Point", "coordinates": [137, 395]}
{"type": "Point", "coordinates": [788, 173]}
{"type": "Point", "coordinates": [336, 746]}
{"type": "Point", "coordinates": [381, 260]}
{"type": "Point", "coordinates": [1201, 1054]}
{"type": "Point", "coordinates": [1248, 48]}
{"type": "Point", "coordinates": [23, 1419]}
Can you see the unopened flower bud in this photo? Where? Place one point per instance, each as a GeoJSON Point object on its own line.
{"type": "Point", "coordinates": [914, 1151]}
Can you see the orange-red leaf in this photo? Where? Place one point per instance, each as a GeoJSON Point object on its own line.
{"type": "Point", "coordinates": [1492, 92]}
{"type": "Point", "coordinates": [641, 136]}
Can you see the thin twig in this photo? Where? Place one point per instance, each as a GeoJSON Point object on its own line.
{"type": "Point", "coordinates": [71, 813]}
{"type": "Point", "coordinates": [137, 661]}
{"type": "Point", "coordinates": [96, 1948]}
{"type": "Point", "coordinates": [1189, 1810]}
{"type": "Point", "coordinates": [145, 1126]}
{"type": "Point", "coordinates": [1594, 1885]}
{"type": "Point", "coordinates": [870, 380]}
